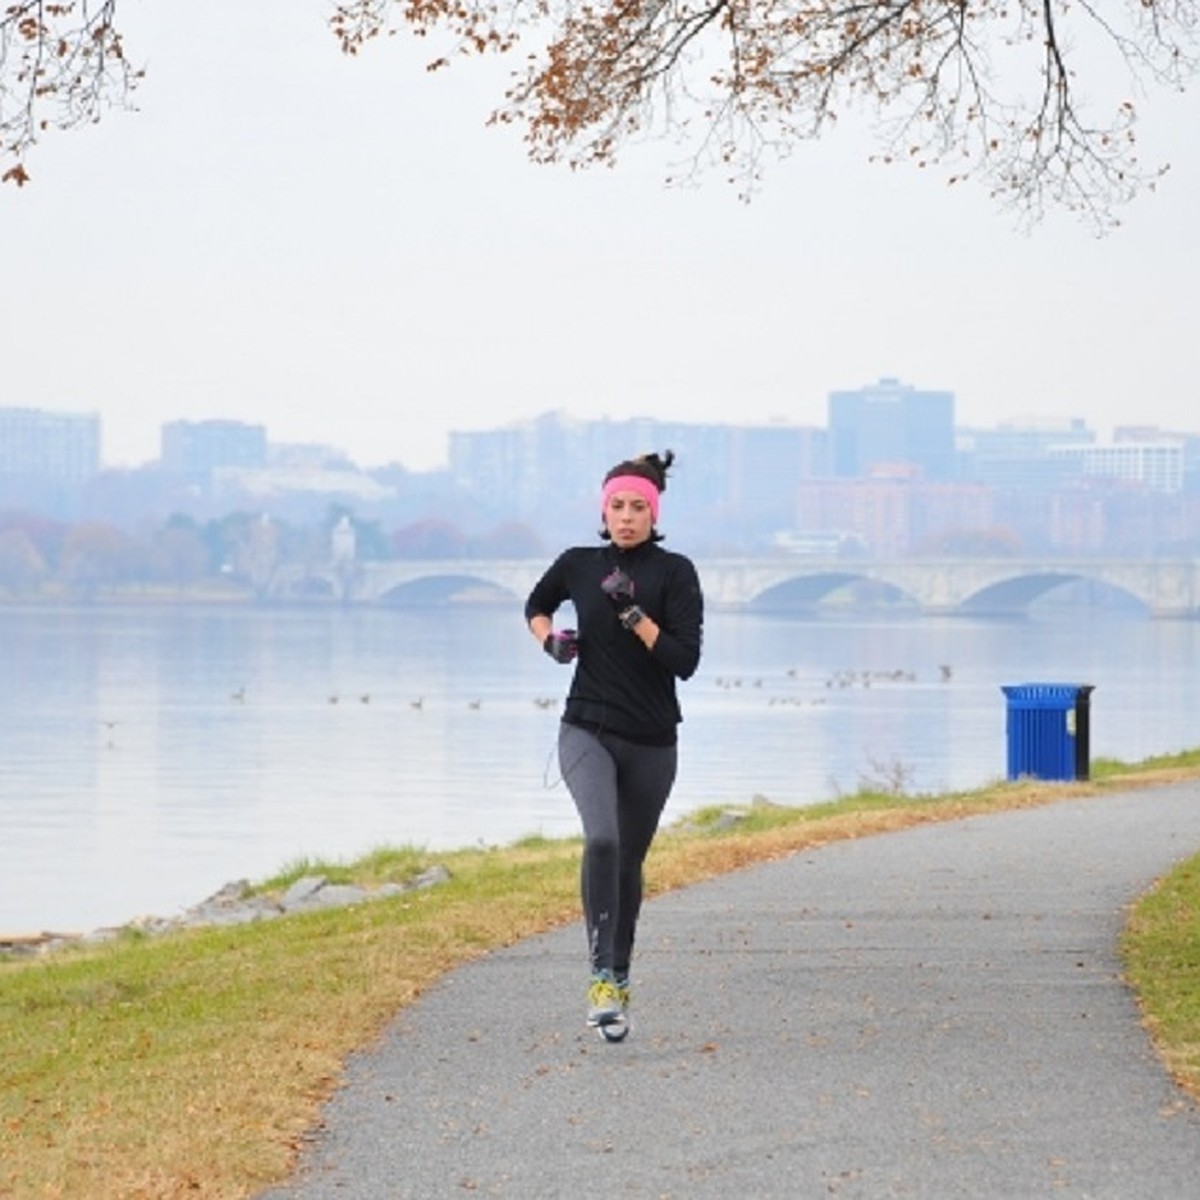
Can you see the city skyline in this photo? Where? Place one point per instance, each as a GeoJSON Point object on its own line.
{"type": "Point", "coordinates": [359, 261]}
{"type": "Point", "coordinates": [1072, 427]}
{"type": "Point", "coordinates": [887, 474]}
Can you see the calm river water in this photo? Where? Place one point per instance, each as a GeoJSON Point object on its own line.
{"type": "Point", "coordinates": [151, 755]}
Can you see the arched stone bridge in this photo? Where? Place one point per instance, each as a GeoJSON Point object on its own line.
{"type": "Point", "coordinates": [1166, 587]}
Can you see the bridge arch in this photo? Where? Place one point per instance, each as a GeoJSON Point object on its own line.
{"type": "Point", "coordinates": [1019, 592]}
{"type": "Point", "coordinates": [408, 581]}
{"type": "Point", "coordinates": [442, 588]}
{"type": "Point", "coordinates": [808, 590]}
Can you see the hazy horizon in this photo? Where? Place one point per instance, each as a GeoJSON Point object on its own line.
{"type": "Point", "coordinates": [338, 249]}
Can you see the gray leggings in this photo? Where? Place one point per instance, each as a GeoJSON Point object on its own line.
{"type": "Point", "coordinates": [620, 789]}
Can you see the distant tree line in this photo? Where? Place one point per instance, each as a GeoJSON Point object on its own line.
{"type": "Point", "coordinates": [123, 547]}
{"type": "Point", "coordinates": [239, 550]}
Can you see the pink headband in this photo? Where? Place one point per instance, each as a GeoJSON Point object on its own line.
{"type": "Point", "coordinates": [632, 483]}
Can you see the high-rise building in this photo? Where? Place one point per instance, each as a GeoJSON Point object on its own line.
{"type": "Point", "coordinates": [1156, 466]}
{"type": "Point", "coordinates": [889, 514]}
{"type": "Point", "coordinates": [196, 449]}
{"type": "Point", "coordinates": [890, 423]}
{"type": "Point", "coordinates": [1019, 454]}
{"type": "Point", "coordinates": [47, 459]}
{"type": "Point", "coordinates": [1154, 433]}
{"type": "Point", "coordinates": [760, 470]}
{"type": "Point", "coordinates": [58, 448]}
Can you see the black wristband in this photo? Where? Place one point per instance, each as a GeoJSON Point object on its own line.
{"type": "Point", "coordinates": [631, 616]}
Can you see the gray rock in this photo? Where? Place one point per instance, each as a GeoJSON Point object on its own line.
{"type": "Point", "coordinates": [303, 889]}
{"type": "Point", "coordinates": [233, 904]}
{"type": "Point", "coordinates": [335, 895]}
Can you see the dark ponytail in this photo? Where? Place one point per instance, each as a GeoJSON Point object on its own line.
{"type": "Point", "coordinates": [653, 467]}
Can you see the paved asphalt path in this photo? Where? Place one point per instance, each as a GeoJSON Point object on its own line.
{"type": "Point", "coordinates": [933, 1013]}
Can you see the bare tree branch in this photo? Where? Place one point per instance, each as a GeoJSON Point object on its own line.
{"type": "Point", "coordinates": [945, 80]}
{"type": "Point", "coordinates": [977, 88]}
{"type": "Point", "coordinates": [61, 65]}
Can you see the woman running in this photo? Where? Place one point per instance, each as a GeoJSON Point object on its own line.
{"type": "Point", "coordinates": [639, 612]}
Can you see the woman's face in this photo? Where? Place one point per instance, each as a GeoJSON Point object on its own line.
{"type": "Point", "coordinates": [628, 519]}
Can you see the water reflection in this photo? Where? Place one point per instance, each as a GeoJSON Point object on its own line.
{"type": "Point", "coordinates": [153, 754]}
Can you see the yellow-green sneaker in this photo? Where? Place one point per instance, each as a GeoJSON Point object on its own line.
{"type": "Point", "coordinates": [604, 1000]}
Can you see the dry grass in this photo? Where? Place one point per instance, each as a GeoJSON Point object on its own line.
{"type": "Point", "coordinates": [195, 1063]}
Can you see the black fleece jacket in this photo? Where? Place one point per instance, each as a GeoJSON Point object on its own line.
{"type": "Point", "coordinates": [618, 684]}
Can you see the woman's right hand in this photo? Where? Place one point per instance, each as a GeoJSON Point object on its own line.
{"type": "Point", "coordinates": [562, 645]}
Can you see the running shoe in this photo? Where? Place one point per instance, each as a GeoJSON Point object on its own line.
{"type": "Point", "coordinates": [604, 1000]}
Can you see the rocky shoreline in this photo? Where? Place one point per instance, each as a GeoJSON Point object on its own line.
{"type": "Point", "coordinates": [234, 904]}
{"type": "Point", "coordinates": [237, 904]}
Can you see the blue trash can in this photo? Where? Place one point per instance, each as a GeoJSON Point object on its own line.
{"type": "Point", "coordinates": [1049, 728]}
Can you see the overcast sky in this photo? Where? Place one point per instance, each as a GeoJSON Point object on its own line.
{"type": "Point", "coordinates": [338, 249]}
